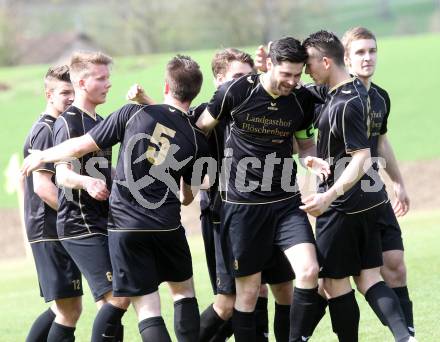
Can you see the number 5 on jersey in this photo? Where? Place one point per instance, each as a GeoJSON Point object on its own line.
{"type": "Point", "coordinates": [161, 138]}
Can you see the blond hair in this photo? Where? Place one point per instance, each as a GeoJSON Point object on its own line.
{"type": "Point", "coordinates": [356, 33]}
{"type": "Point", "coordinates": [81, 62]}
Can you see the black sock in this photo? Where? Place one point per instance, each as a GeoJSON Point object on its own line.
{"type": "Point", "coordinates": [186, 319]}
{"type": "Point", "coordinates": [210, 323]}
{"type": "Point", "coordinates": [61, 333]}
{"type": "Point", "coordinates": [40, 328]}
{"type": "Point", "coordinates": [153, 329]}
{"type": "Point", "coordinates": [385, 304]}
{"type": "Point", "coordinates": [320, 312]}
{"type": "Point", "coordinates": [302, 311]}
{"type": "Point", "coordinates": [224, 332]}
{"type": "Point", "coordinates": [106, 323]}
{"type": "Point", "coordinates": [281, 322]}
{"type": "Point", "coordinates": [406, 305]}
{"type": "Point", "coordinates": [243, 325]}
{"type": "Point", "coordinates": [344, 313]}
{"type": "Point", "coordinates": [262, 320]}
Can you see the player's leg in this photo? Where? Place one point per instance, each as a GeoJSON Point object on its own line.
{"type": "Point", "coordinates": [343, 307]}
{"type": "Point", "coordinates": [151, 324]}
{"type": "Point", "coordinates": [136, 276]}
{"type": "Point", "coordinates": [302, 257]}
{"type": "Point", "coordinates": [280, 277]}
{"type": "Point", "coordinates": [393, 270]}
{"type": "Point", "coordinates": [295, 237]}
{"type": "Point", "coordinates": [174, 265]}
{"type": "Point", "coordinates": [243, 319]}
{"type": "Point", "coordinates": [60, 281]}
{"type": "Point", "coordinates": [383, 301]}
{"type": "Point", "coordinates": [380, 297]}
{"type": "Point", "coordinates": [91, 254]}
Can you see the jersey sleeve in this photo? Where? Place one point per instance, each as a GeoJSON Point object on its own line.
{"type": "Point", "coordinates": [111, 130]}
{"type": "Point", "coordinates": [354, 126]}
{"type": "Point", "coordinates": [306, 129]}
{"type": "Point", "coordinates": [384, 127]}
{"type": "Point", "coordinates": [42, 140]}
{"type": "Point", "coordinates": [222, 102]}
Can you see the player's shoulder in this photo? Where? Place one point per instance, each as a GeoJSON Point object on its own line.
{"type": "Point", "coordinates": [241, 84]}
{"type": "Point", "coordinates": [43, 126]}
{"type": "Point", "coordinates": [374, 88]}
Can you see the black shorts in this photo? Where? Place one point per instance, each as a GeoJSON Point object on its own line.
{"type": "Point", "coordinates": [92, 257]}
{"type": "Point", "coordinates": [391, 234]}
{"type": "Point", "coordinates": [58, 275]}
{"type": "Point", "coordinates": [254, 232]}
{"type": "Point", "coordinates": [348, 243]}
{"type": "Point", "coordinates": [142, 260]}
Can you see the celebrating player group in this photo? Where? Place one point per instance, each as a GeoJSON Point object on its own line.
{"type": "Point", "coordinates": [121, 229]}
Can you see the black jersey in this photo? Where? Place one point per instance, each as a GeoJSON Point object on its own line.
{"type": "Point", "coordinates": [158, 147]}
{"type": "Point", "coordinates": [342, 129]}
{"type": "Point", "coordinates": [40, 219]}
{"type": "Point", "coordinates": [378, 118]}
{"type": "Point", "coordinates": [79, 214]}
{"type": "Point", "coordinates": [258, 166]}
{"type": "Point", "coordinates": [211, 198]}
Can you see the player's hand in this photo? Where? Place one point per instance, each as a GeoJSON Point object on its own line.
{"type": "Point", "coordinates": [318, 167]}
{"type": "Point", "coordinates": [137, 94]}
{"type": "Point", "coordinates": [32, 162]}
{"type": "Point", "coordinates": [401, 206]}
{"type": "Point", "coordinates": [260, 59]}
{"type": "Point", "coordinates": [96, 188]}
{"type": "Point", "coordinates": [316, 204]}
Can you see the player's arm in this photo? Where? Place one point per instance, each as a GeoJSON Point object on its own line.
{"type": "Point", "coordinates": [386, 152]}
{"type": "Point", "coordinates": [45, 188]}
{"type": "Point", "coordinates": [137, 94]}
{"type": "Point", "coordinates": [187, 193]}
{"type": "Point", "coordinates": [65, 176]}
{"type": "Point", "coordinates": [72, 148]}
{"type": "Point", "coordinates": [206, 122]}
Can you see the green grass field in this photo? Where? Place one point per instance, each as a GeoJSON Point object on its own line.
{"type": "Point", "coordinates": [408, 69]}
{"type": "Point", "coordinates": [21, 302]}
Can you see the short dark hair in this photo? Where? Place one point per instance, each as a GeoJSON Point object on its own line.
{"type": "Point", "coordinates": [328, 44]}
{"type": "Point", "coordinates": [57, 73]}
{"type": "Point", "coordinates": [287, 49]}
{"type": "Point", "coordinates": [184, 77]}
{"type": "Point", "coordinates": [223, 58]}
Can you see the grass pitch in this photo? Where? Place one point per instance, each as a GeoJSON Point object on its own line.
{"type": "Point", "coordinates": [21, 303]}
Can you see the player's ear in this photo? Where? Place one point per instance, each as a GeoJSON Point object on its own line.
{"type": "Point", "coordinates": [327, 62]}
{"type": "Point", "coordinates": [48, 93]}
{"type": "Point", "coordinates": [218, 80]}
{"type": "Point", "coordinates": [82, 83]}
{"type": "Point", "coordinates": [269, 64]}
{"type": "Point", "coordinates": [166, 89]}
{"type": "Point", "coordinates": [347, 61]}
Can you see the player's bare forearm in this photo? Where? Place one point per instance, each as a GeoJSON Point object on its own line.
{"type": "Point", "coordinates": [386, 152]}
{"type": "Point", "coordinates": [72, 148]}
{"type": "Point", "coordinates": [45, 189]}
{"type": "Point", "coordinates": [356, 168]}
{"type": "Point", "coordinates": [306, 148]}
{"type": "Point", "coordinates": [187, 193]}
{"type": "Point", "coordinates": [68, 178]}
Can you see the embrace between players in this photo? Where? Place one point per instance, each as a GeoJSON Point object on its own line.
{"type": "Point", "coordinates": [129, 239]}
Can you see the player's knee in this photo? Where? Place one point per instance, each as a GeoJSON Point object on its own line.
{"type": "Point", "coordinates": [283, 293]}
{"type": "Point", "coordinates": [307, 274]}
{"type": "Point", "coordinates": [263, 291]}
{"type": "Point", "coordinates": [70, 311]}
{"type": "Point", "coordinates": [224, 309]}
{"type": "Point", "coordinates": [120, 302]}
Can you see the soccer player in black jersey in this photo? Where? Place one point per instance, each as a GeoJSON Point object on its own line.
{"type": "Point", "coordinates": [261, 203]}
{"type": "Point", "coordinates": [360, 57]}
{"type": "Point", "coordinates": [58, 276]}
{"type": "Point", "coordinates": [348, 205]}
{"type": "Point", "coordinates": [159, 150]}
{"type": "Point", "coordinates": [82, 197]}
{"type": "Point", "coordinates": [215, 325]}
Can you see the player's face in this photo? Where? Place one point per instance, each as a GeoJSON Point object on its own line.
{"type": "Point", "coordinates": [315, 66]}
{"type": "Point", "coordinates": [284, 77]}
{"type": "Point", "coordinates": [61, 96]}
{"type": "Point", "coordinates": [97, 84]}
{"type": "Point", "coordinates": [362, 57]}
{"type": "Point", "coordinates": [235, 70]}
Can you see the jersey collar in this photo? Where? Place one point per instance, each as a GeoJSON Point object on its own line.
{"type": "Point", "coordinates": [341, 84]}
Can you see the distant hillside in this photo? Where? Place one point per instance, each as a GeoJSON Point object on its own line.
{"type": "Point", "coordinates": [408, 68]}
